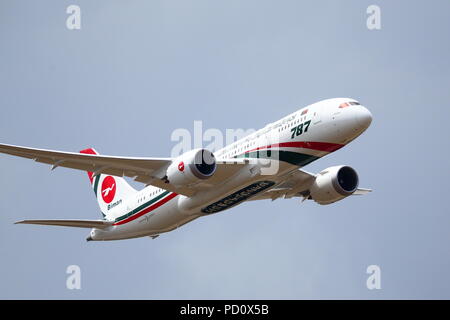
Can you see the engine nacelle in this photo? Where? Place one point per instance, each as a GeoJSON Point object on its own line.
{"type": "Point", "coordinates": [334, 184]}
{"type": "Point", "coordinates": [191, 167]}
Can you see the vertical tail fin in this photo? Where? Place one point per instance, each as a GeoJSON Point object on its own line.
{"type": "Point", "coordinates": [110, 191]}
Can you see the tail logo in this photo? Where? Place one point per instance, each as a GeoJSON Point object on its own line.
{"type": "Point", "coordinates": [108, 189]}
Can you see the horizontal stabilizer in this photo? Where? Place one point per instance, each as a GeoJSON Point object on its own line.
{"type": "Point", "coordinates": [361, 191]}
{"type": "Point", "coordinates": [100, 224]}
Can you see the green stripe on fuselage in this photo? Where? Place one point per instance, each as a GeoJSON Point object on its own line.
{"type": "Point", "coordinates": [97, 179]}
{"type": "Point", "coordinates": [294, 158]}
{"type": "Point", "coordinates": [142, 207]}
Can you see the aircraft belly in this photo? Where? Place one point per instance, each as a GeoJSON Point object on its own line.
{"type": "Point", "coordinates": [246, 183]}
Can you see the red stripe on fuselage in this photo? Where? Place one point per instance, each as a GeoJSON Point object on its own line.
{"type": "Point", "coordinates": [147, 210]}
{"type": "Point", "coordinates": [319, 146]}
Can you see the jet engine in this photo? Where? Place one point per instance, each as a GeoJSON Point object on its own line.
{"type": "Point", "coordinates": [191, 167]}
{"type": "Point", "coordinates": [334, 184]}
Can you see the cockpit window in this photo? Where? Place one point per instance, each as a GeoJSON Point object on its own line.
{"type": "Point", "coordinates": [350, 103]}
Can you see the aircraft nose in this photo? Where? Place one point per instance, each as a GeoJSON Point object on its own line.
{"type": "Point", "coordinates": [363, 117]}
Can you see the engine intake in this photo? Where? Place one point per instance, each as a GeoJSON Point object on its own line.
{"type": "Point", "coordinates": [205, 164]}
{"type": "Point", "coordinates": [334, 184]}
{"type": "Point", "coordinates": [191, 167]}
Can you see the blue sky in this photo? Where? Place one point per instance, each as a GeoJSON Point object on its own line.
{"type": "Point", "coordinates": [138, 70]}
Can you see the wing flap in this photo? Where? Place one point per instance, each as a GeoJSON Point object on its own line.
{"type": "Point", "coordinates": [100, 224]}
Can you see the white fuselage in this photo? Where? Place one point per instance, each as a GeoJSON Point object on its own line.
{"type": "Point", "coordinates": [290, 143]}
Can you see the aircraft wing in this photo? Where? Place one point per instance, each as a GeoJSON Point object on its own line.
{"type": "Point", "coordinates": [146, 170]}
{"type": "Point", "coordinates": [296, 184]}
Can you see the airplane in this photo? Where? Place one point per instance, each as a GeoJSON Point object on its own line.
{"type": "Point", "coordinates": [263, 165]}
